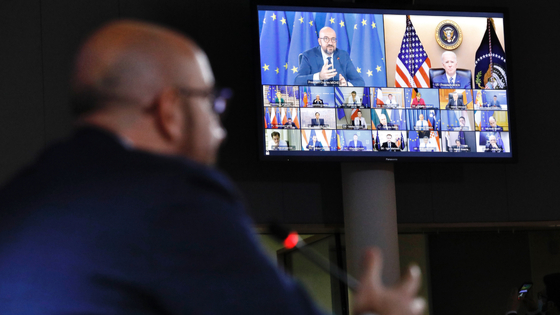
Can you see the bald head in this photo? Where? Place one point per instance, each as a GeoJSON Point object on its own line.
{"type": "Point", "coordinates": [327, 40]}
{"type": "Point", "coordinates": [129, 63]}
{"type": "Point", "coordinates": [149, 85]}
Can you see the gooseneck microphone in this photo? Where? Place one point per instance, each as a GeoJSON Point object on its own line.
{"type": "Point", "coordinates": [291, 239]}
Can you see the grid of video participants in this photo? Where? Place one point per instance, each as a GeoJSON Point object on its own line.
{"type": "Point", "coordinates": [375, 82]}
{"type": "Point", "coordinates": [304, 118]}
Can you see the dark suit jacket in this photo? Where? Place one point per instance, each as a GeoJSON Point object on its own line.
{"type": "Point", "coordinates": [318, 146]}
{"type": "Point", "coordinates": [315, 101]}
{"type": "Point", "coordinates": [490, 149]}
{"type": "Point", "coordinates": [358, 145]}
{"type": "Point", "coordinates": [314, 122]}
{"type": "Point", "coordinates": [385, 146]}
{"type": "Point", "coordinates": [96, 228]}
{"type": "Point", "coordinates": [389, 126]}
{"type": "Point", "coordinates": [461, 82]}
{"type": "Point", "coordinates": [312, 62]}
{"type": "Point", "coordinates": [456, 105]}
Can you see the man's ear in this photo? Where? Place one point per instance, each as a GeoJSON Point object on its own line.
{"type": "Point", "coordinates": [170, 114]}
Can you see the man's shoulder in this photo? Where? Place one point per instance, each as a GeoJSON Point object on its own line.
{"type": "Point", "coordinates": [312, 52]}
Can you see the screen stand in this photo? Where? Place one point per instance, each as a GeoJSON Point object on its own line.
{"type": "Point", "coordinates": [370, 215]}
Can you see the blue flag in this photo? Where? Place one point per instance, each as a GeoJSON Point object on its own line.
{"type": "Point", "coordinates": [413, 141]}
{"type": "Point", "coordinates": [337, 22]}
{"type": "Point", "coordinates": [304, 37]}
{"type": "Point", "coordinates": [366, 100]}
{"type": "Point", "coordinates": [490, 61]}
{"type": "Point", "coordinates": [333, 143]}
{"type": "Point", "coordinates": [377, 144]}
{"type": "Point", "coordinates": [267, 119]}
{"type": "Point", "coordinates": [452, 120]}
{"type": "Point", "coordinates": [402, 142]}
{"type": "Point", "coordinates": [367, 53]}
{"type": "Point", "coordinates": [275, 41]}
{"type": "Point", "coordinates": [484, 116]}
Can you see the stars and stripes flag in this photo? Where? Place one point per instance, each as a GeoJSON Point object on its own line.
{"type": "Point", "coordinates": [413, 64]}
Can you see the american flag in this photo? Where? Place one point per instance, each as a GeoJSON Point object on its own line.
{"type": "Point", "coordinates": [413, 64]}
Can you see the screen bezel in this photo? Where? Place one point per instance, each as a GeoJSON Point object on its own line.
{"type": "Point", "coordinates": [379, 156]}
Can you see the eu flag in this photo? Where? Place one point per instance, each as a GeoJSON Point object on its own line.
{"type": "Point", "coordinates": [337, 22]}
{"type": "Point", "coordinates": [304, 37]}
{"type": "Point", "coordinates": [366, 100]}
{"type": "Point", "coordinates": [367, 53]}
{"type": "Point", "coordinates": [275, 41]}
{"type": "Point", "coordinates": [413, 141]}
{"type": "Point", "coordinates": [490, 61]}
{"type": "Point", "coordinates": [333, 145]}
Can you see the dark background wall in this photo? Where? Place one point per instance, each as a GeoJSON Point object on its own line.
{"type": "Point", "coordinates": [40, 37]}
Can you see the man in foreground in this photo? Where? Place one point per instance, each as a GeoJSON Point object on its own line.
{"type": "Point", "coordinates": [128, 217]}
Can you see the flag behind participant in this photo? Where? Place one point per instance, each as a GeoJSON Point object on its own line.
{"type": "Point", "coordinates": [490, 60]}
{"type": "Point", "coordinates": [304, 37]}
{"type": "Point", "coordinates": [413, 64]}
{"type": "Point", "coordinates": [367, 54]}
{"type": "Point", "coordinates": [274, 43]}
{"type": "Point", "coordinates": [337, 22]}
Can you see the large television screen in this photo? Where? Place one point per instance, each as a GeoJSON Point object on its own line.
{"type": "Point", "coordinates": [343, 83]}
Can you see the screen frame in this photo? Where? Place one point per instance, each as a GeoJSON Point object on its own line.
{"type": "Point", "coordinates": [380, 156]}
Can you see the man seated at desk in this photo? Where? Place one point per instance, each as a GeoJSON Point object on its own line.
{"type": "Point", "coordinates": [458, 147]}
{"type": "Point", "coordinates": [494, 102]}
{"type": "Point", "coordinates": [355, 144]}
{"type": "Point", "coordinates": [493, 146]}
{"type": "Point", "coordinates": [418, 101]}
{"type": "Point", "coordinates": [359, 121]}
{"type": "Point", "coordinates": [389, 145]}
{"type": "Point", "coordinates": [353, 100]}
{"type": "Point", "coordinates": [384, 125]}
{"type": "Point", "coordinates": [314, 144]}
{"type": "Point", "coordinates": [422, 124]}
{"type": "Point", "coordinates": [391, 102]}
{"type": "Point", "coordinates": [317, 100]}
{"type": "Point", "coordinates": [317, 121]}
{"type": "Point", "coordinates": [462, 124]}
{"type": "Point", "coordinates": [289, 124]}
{"type": "Point", "coordinates": [277, 144]}
{"type": "Point", "coordinates": [426, 146]}
{"type": "Point", "coordinates": [455, 102]}
{"type": "Point", "coordinates": [493, 125]}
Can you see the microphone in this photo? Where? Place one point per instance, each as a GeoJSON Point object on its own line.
{"type": "Point", "coordinates": [292, 240]}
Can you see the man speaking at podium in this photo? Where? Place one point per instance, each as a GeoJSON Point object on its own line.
{"type": "Point", "coordinates": [327, 63]}
{"type": "Point", "coordinates": [127, 215]}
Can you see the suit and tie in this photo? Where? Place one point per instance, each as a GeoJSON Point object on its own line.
{"type": "Point", "coordinates": [355, 145]}
{"type": "Point", "coordinates": [452, 104]}
{"type": "Point", "coordinates": [460, 82]}
{"type": "Point", "coordinates": [312, 62]}
{"type": "Point", "coordinates": [319, 122]}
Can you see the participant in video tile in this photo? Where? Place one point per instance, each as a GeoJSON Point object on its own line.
{"type": "Point", "coordinates": [456, 102]}
{"type": "Point", "coordinates": [422, 124]}
{"type": "Point", "coordinates": [277, 143]}
{"type": "Point", "coordinates": [494, 102]}
{"type": "Point", "coordinates": [314, 144]}
{"type": "Point", "coordinates": [493, 145]}
{"type": "Point", "coordinates": [360, 121]}
{"type": "Point", "coordinates": [427, 146]}
{"type": "Point", "coordinates": [391, 101]}
{"type": "Point", "coordinates": [353, 100]}
{"type": "Point", "coordinates": [493, 125]}
{"type": "Point", "coordinates": [355, 144]}
{"type": "Point", "coordinates": [458, 147]}
{"type": "Point", "coordinates": [451, 79]}
{"type": "Point", "coordinates": [418, 101]}
{"type": "Point", "coordinates": [318, 100]}
{"type": "Point", "coordinates": [317, 121]}
{"type": "Point", "coordinates": [462, 124]}
{"type": "Point", "coordinates": [384, 125]}
{"type": "Point", "coordinates": [290, 124]}
{"type": "Point", "coordinates": [327, 63]}
{"type": "Point", "coordinates": [388, 144]}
